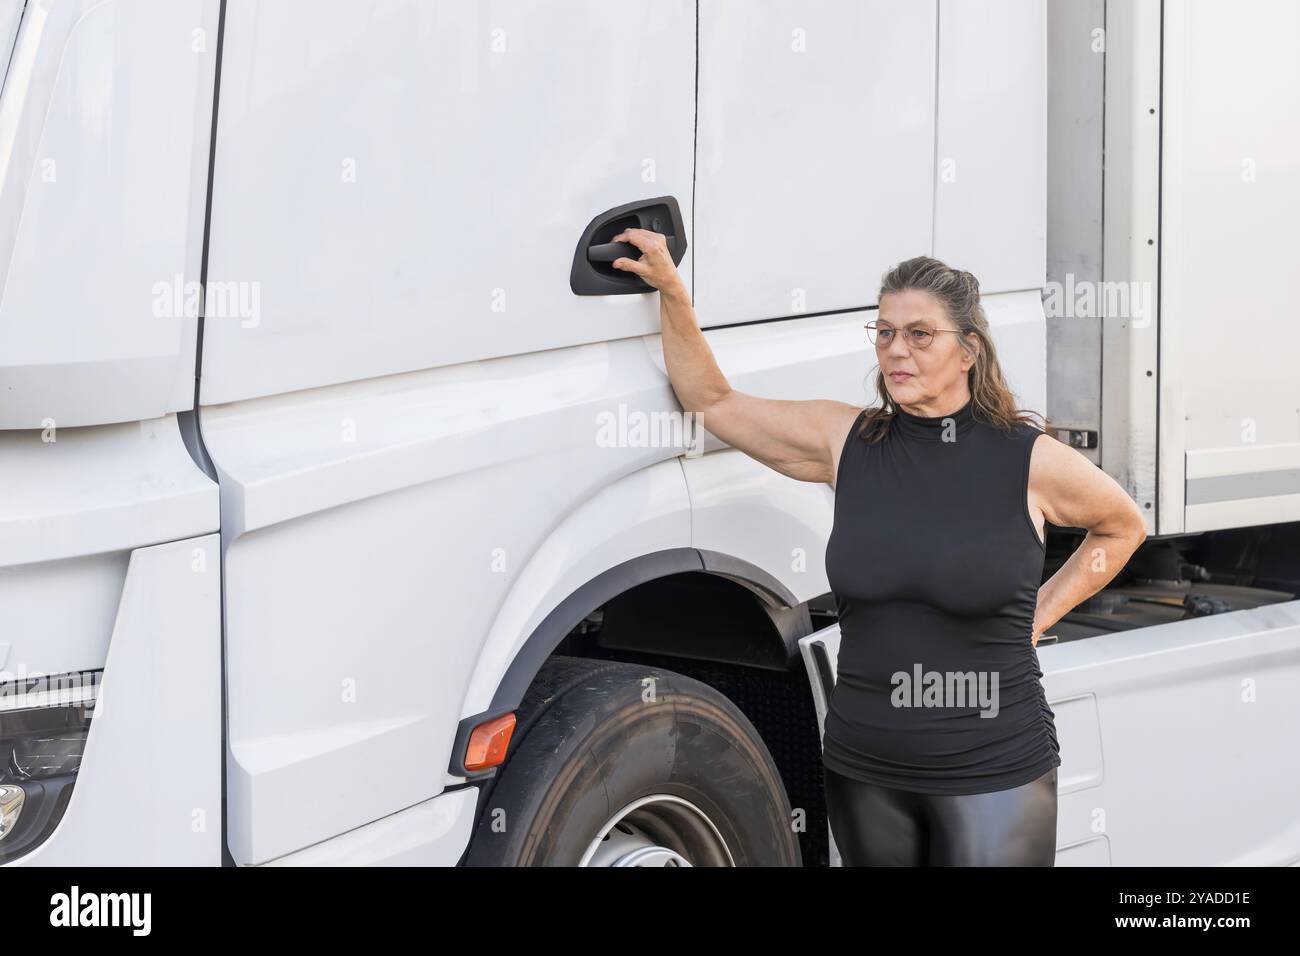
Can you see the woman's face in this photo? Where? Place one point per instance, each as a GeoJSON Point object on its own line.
{"type": "Point", "coordinates": [916, 376]}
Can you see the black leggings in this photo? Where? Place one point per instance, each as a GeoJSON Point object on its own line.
{"type": "Point", "coordinates": [880, 826]}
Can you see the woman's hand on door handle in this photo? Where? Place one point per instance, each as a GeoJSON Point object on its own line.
{"type": "Point", "coordinates": [655, 267]}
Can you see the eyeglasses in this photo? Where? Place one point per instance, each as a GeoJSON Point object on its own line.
{"type": "Point", "coordinates": [918, 336]}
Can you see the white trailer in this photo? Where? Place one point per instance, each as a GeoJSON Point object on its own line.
{"type": "Point", "coordinates": [336, 525]}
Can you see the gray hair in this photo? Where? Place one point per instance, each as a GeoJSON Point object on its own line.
{"type": "Point", "coordinates": [959, 294]}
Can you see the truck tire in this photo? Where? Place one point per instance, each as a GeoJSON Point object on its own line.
{"type": "Point", "coordinates": [665, 768]}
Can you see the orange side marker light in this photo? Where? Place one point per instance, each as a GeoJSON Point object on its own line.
{"type": "Point", "coordinates": [488, 742]}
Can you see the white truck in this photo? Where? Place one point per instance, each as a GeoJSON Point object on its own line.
{"type": "Point", "coordinates": [336, 526]}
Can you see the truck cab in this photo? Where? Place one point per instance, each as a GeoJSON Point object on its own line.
{"type": "Point", "coordinates": [334, 524]}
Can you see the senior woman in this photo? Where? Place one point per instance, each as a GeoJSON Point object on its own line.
{"type": "Point", "coordinates": [939, 745]}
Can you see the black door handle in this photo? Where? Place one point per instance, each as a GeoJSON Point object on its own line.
{"type": "Point", "coordinates": [593, 272]}
{"type": "Point", "coordinates": [609, 251]}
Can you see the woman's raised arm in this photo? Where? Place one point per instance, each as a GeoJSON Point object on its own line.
{"type": "Point", "coordinates": [801, 439]}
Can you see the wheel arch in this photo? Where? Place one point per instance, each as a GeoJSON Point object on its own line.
{"type": "Point", "coordinates": [788, 618]}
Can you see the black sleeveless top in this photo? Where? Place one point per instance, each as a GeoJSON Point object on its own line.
{"type": "Point", "coordinates": [935, 564]}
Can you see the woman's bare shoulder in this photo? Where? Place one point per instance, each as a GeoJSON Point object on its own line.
{"type": "Point", "coordinates": [1069, 488]}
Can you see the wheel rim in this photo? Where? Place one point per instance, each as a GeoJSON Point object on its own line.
{"type": "Point", "coordinates": [658, 830]}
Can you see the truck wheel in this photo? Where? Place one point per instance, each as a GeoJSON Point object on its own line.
{"type": "Point", "coordinates": [624, 765]}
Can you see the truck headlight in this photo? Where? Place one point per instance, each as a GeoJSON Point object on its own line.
{"type": "Point", "coordinates": [44, 723]}
{"type": "Point", "coordinates": [11, 805]}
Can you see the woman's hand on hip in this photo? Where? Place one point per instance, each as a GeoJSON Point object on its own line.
{"type": "Point", "coordinates": [656, 266]}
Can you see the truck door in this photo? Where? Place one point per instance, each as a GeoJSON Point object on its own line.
{"type": "Point", "coordinates": [398, 188]}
